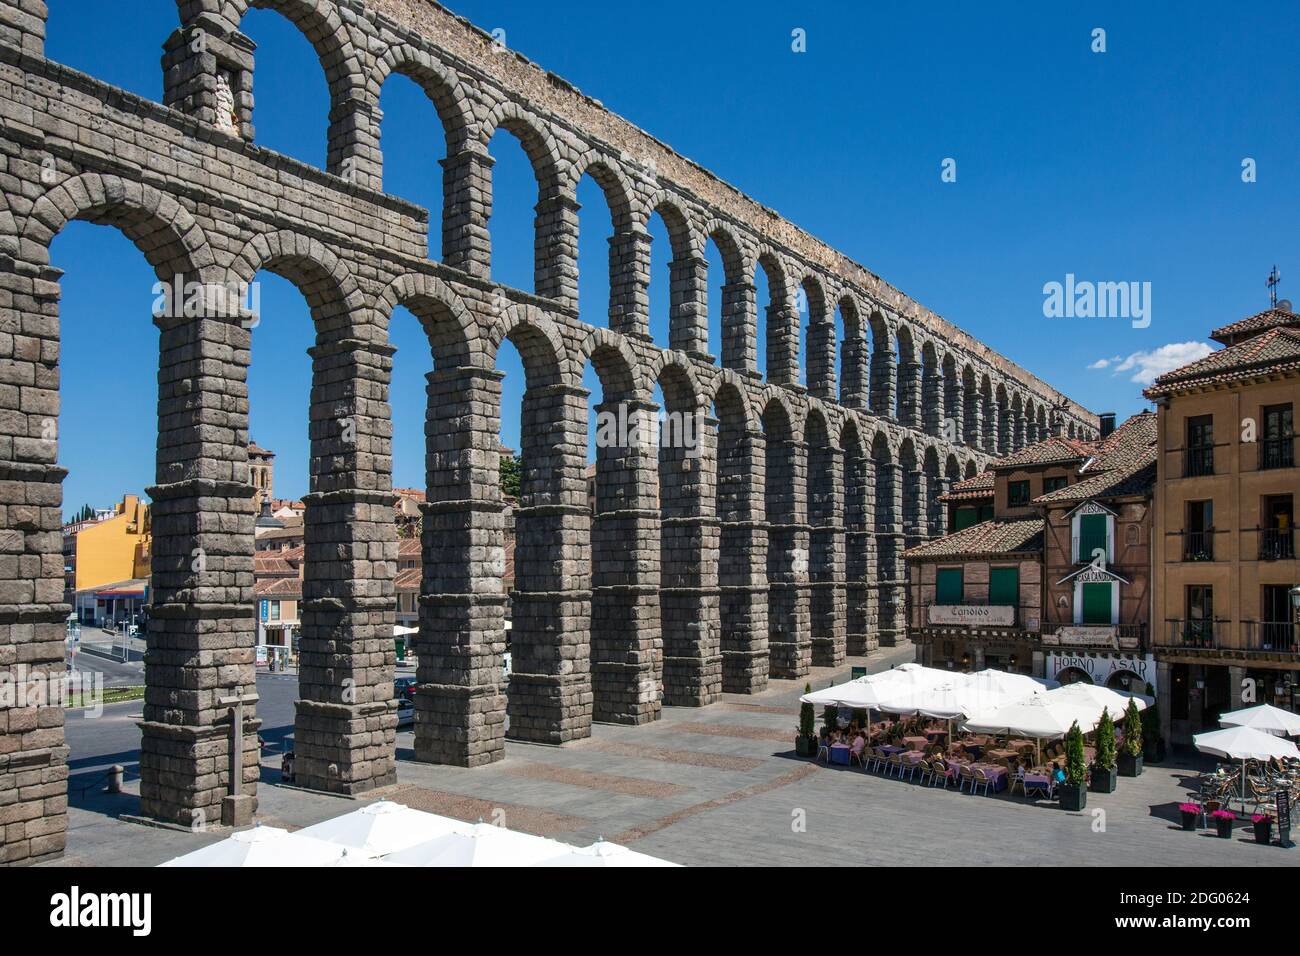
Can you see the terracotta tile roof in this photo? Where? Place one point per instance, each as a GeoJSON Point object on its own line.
{"type": "Point", "coordinates": [980, 486]}
{"type": "Point", "coordinates": [1258, 323]}
{"type": "Point", "coordinates": [272, 564]}
{"type": "Point", "coordinates": [408, 581]}
{"type": "Point", "coordinates": [1022, 536]}
{"type": "Point", "coordinates": [1276, 351]}
{"type": "Point", "coordinates": [1050, 451]}
{"type": "Point", "coordinates": [408, 548]}
{"type": "Point", "coordinates": [416, 494]}
{"type": "Point", "coordinates": [1122, 463]}
{"type": "Point", "coordinates": [287, 588]}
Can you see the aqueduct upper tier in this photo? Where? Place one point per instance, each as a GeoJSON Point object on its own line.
{"type": "Point", "coordinates": [771, 546]}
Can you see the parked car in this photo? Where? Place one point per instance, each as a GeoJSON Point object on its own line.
{"type": "Point", "coordinates": [404, 688]}
{"type": "Point", "coordinates": [405, 712]}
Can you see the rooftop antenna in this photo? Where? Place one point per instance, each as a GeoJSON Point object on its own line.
{"type": "Point", "coordinates": [1274, 278]}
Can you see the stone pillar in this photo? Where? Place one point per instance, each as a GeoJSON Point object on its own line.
{"type": "Point", "coordinates": [688, 309]}
{"type": "Point", "coordinates": [909, 394]}
{"type": "Point", "coordinates": [889, 547]}
{"type": "Point", "coordinates": [821, 360]}
{"type": "Point", "coordinates": [466, 210]}
{"type": "Point", "coordinates": [932, 404]}
{"type": "Point", "coordinates": [689, 598]}
{"type": "Point", "coordinates": [853, 388]}
{"type": "Point", "coordinates": [972, 430]}
{"type": "Point", "coordinates": [882, 383]}
{"type": "Point", "coordinates": [742, 570]}
{"type": "Point", "coordinates": [629, 282]}
{"type": "Point", "coordinates": [992, 427]}
{"type": "Point", "coordinates": [789, 631]}
{"type": "Point", "coordinates": [460, 701]}
{"type": "Point", "coordinates": [626, 637]}
{"type": "Point", "coordinates": [740, 328]}
{"type": "Point", "coordinates": [860, 557]}
{"type": "Point", "coordinates": [22, 25]}
{"type": "Point", "coordinates": [937, 517]}
{"type": "Point", "coordinates": [550, 682]}
{"type": "Point", "coordinates": [202, 629]}
{"type": "Point", "coordinates": [1004, 429]}
{"type": "Point", "coordinates": [556, 254]}
{"type": "Point", "coordinates": [955, 411]}
{"type": "Point", "coordinates": [827, 556]}
{"type": "Point", "coordinates": [33, 756]}
{"type": "Point", "coordinates": [782, 344]}
{"type": "Point", "coordinates": [208, 74]}
{"type": "Point", "coordinates": [346, 723]}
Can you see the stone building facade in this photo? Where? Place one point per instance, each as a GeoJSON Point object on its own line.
{"type": "Point", "coordinates": [777, 547]}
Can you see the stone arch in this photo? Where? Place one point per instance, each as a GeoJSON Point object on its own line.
{"type": "Point", "coordinates": [1017, 423]}
{"type": "Point", "coordinates": [442, 85]}
{"type": "Point", "coordinates": [687, 291]}
{"type": "Point", "coordinates": [824, 484]}
{"type": "Point", "coordinates": [970, 399]}
{"type": "Point", "coordinates": [859, 539]}
{"type": "Point", "coordinates": [737, 310]}
{"type": "Point", "coordinates": [907, 403]}
{"type": "Point", "coordinates": [821, 344]}
{"type": "Point", "coordinates": [452, 330]}
{"type": "Point", "coordinates": [854, 354]}
{"type": "Point", "coordinates": [789, 638]}
{"type": "Point", "coordinates": [782, 339]}
{"type": "Point", "coordinates": [932, 507]}
{"type": "Point", "coordinates": [160, 227]}
{"type": "Point", "coordinates": [933, 408]}
{"type": "Point", "coordinates": [538, 339]}
{"type": "Point", "coordinates": [617, 365]}
{"type": "Point", "coordinates": [971, 469]}
{"type": "Point", "coordinates": [1002, 400]}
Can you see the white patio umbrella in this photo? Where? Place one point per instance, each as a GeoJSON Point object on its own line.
{"type": "Point", "coordinates": [1012, 686]}
{"type": "Point", "coordinates": [874, 690]}
{"type": "Point", "coordinates": [1265, 717]}
{"type": "Point", "coordinates": [479, 845]}
{"type": "Point", "coordinates": [1094, 698]}
{"type": "Point", "coordinates": [383, 827]}
{"type": "Point", "coordinates": [1244, 743]}
{"type": "Point", "coordinates": [602, 853]}
{"type": "Point", "coordinates": [263, 846]}
{"type": "Point", "coordinates": [1037, 716]}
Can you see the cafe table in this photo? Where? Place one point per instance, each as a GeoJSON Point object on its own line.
{"type": "Point", "coordinates": [891, 749]}
{"type": "Point", "coordinates": [839, 753]}
{"type": "Point", "coordinates": [916, 743]}
{"type": "Point", "coordinates": [1001, 754]}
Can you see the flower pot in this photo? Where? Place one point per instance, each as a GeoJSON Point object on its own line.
{"type": "Point", "coordinates": [1264, 831]}
{"type": "Point", "coordinates": [1129, 766]}
{"type": "Point", "coordinates": [1103, 780]}
{"type": "Point", "coordinates": [1189, 820]}
{"type": "Point", "coordinates": [805, 746]}
{"type": "Point", "coordinates": [1072, 796]}
{"type": "Point", "coordinates": [1224, 826]}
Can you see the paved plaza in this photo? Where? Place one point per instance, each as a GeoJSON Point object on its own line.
{"type": "Point", "coordinates": [719, 785]}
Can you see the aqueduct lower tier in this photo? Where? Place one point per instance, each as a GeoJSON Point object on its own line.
{"type": "Point", "coordinates": [775, 547]}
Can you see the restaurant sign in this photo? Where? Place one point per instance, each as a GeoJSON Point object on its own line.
{"type": "Point", "coordinates": [1102, 667]}
{"type": "Point", "coordinates": [973, 615]}
{"type": "Point", "coordinates": [1083, 635]}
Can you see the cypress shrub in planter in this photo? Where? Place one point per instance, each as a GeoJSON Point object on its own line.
{"type": "Point", "coordinates": [1263, 824]}
{"type": "Point", "coordinates": [1074, 792]}
{"type": "Point", "coordinates": [1103, 768]}
{"type": "Point", "coordinates": [1189, 812]}
{"type": "Point", "coordinates": [1153, 745]}
{"type": "Point", "coordinates": [1130, 761]}
{"type": "Point", "coordinates": [805, 741]}
{"type": "Point", "coordinates": [1223, 821]}
{"type": "Point", "coordinates": [831, 717]}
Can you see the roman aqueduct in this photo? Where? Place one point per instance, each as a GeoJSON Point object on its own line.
{"type": "Point", "coordinates": [776, 548]}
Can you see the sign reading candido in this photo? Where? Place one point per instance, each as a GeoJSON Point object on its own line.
{"type": "Point", "coordinates": [986, 615]}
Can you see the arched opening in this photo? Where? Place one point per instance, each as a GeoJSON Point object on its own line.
{"type": "Point", "coordinates": [817, 352]}
{"type": "Point", "coordinates": [883, 367]}
{"type": "Point", "coordinates": [971, 401]}
{"type": "Point", "coordinates": [953, 426]}
{"type": "Point", "coordinates": [989, 411]}
{"type": "Point", "coordinates": [889, 539]}
{"type": "Point", "coordinates": [119, 50]}
{"type": "Point", "coordinates": [934, 510]}
{"type": "Point", "coordinates": [908, 399]}
{"type": "Point", "coordinates": [932, 404]}
{"type": "Point", "coordinates": [787, 548]}
{"type": "Point", "coordinates": [859, 542]}
{"type": "Point", "coordinates": [413, 143]}
{"type": "Point", "coordinates": [854, 354]}
{"type": "Point", "coordinates": [1073, 675]}
{"type": "Point", "coordinates": [913, 498]}
{"type": "Point", "coordinates": [1003, 434]}
{"type": "Point", "coordinates": [732, 297]}
{"type": "Point", "coordinates": [520, 254]}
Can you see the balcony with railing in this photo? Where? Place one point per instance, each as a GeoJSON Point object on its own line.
{"type": "Point", "coordinates": [1122, 636]}
{"type": "Point", "coordinates": [1198, 545]}
{"type": "Point", "coordinates": [1277, 544]}
{"type": "Point", "coordinates": [1277, 453]}
{"type": "Point", "coordinates": [1193, 634]}
{"type": "Point", "coordinates": [1279, 637]}
{"type": "Point", "coordinates": [1198, 460]}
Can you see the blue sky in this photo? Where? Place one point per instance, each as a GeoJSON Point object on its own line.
{"type": "Point", "coordinates": [1117, 166]}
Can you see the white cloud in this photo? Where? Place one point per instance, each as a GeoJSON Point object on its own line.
{"type": "Point", "coordinates": [1104, 362]}
{"type": "Point", "coordinates": [1147, 366]}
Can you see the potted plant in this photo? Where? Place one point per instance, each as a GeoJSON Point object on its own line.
{"type": "Point", "coordinates": [1103, 768]}
{"type": "Point", "coordinates": [1263, 824]}
{"type": "Point", "coordinates": [1074, 792]}
{"type": "Point", "coordinates": [1153, 744]}
{"type": "Point", "coordinates": [1189, 812]}
{"type": "Point", "coordinates": [1223, 821]}
{"type": "Point", "coordinates": [805, 741]}
{"type": "Point", "coordinates": [1130, 761]}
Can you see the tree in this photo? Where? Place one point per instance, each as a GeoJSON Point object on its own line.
{"type": "Point", "coordinates": [1076, 768]}
{"type": "Point", "coordinates": [1132, 730]}
{"type": "Point", "coordinates": [511, 472]}
{"type": "Point", "coordinates": [807, 717]}
{"type": "Point", "coordinates": [1105, 741]}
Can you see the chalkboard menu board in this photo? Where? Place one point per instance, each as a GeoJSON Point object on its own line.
{"type": "Point", "coordinates": [1282, 801]}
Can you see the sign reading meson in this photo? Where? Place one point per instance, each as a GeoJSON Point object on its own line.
{"type": "Point", "coordinates": [972, 615]}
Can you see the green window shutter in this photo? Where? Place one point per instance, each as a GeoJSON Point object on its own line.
{"type": "Point", "coordinates": [1092, 535]}
{"type": "Point", "coordinates": [1004, 586]}
{"type": "Point", "coordinates": [1096, 603]}
{"type": "Point", "coordinates": [965, 518]}
{"type": "Point", "coordinates": [948, 586]}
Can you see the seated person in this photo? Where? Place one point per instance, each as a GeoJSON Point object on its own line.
{"type": "Point", "coordinates": [1058, 776]}
{"type": "Point", "coordinates": [859, 744]}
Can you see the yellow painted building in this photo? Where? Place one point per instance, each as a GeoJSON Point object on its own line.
{"type": "Point", "coordinates": [113, 550]}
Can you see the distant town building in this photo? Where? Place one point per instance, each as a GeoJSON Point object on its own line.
{"type": "Point", "coordinates": [1225, 570]}
{"type": "Point", "coordinates": [106, 563]}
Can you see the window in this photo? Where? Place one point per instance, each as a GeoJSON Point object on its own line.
{"type": "Point", "coordinates": [1200, 614]}
{"type": "Point", "coordinates": [1198, 541]}
{"type": "Point", "coordinates": [948, 586]}
{"type": "Point", "coordinates": [1017, 494]}
{"type": "Point", "coordinates": [1097, 602]}
{"type": "Point", "coordinates": [1093, 535]}
{"type": "Point", "coordinates": [1055, 483]}
{"type": "Point", "coordinates": [1277, 531]}
{"type": "Point", "coordinates": [1198, 456]}
{"type": "Point", "coordinates": [965, 518]}
{"type": "Point", "coordinates": [275, 610]}
{"type": "Point", "coordinates": [1277, 448]}
{"type": "Point", "coordinates": [1004, 586]}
